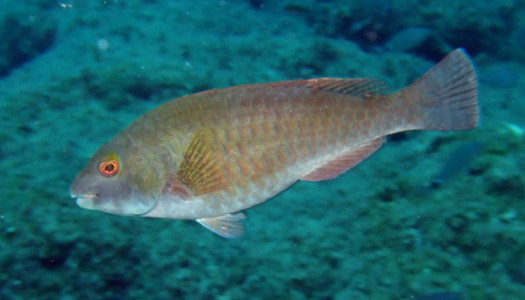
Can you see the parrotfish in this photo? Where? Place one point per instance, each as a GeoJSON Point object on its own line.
{"type": "Point", "coordinates": [211, 155]}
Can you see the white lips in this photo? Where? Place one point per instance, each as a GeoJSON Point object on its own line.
{"type": "Point", "coordinates": [86, 201]}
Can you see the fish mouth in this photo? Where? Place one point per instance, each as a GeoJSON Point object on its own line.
{"type": "Point", "coordinates": [86, 201]}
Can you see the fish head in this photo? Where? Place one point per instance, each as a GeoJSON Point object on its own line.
{"type": "Point", "coordinates": [117, 180]}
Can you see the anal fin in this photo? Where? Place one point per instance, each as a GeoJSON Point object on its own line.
{"type": "Point", "coordinates": [344, 162]}
{"type": "Point", "coordinates": [228, 226]}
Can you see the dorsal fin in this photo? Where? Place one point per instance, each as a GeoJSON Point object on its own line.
{"type": "Point", "coordinates": [201, 168]}
{"type": "Point", "coordinates": [353, 86]}
{"type": "Point", "coordinates": [344, 162]}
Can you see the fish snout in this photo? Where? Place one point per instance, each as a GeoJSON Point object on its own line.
{"type": "Point", "coordinates": [86, 201]}
{"type": "Point", "coordinates": [84, 197]}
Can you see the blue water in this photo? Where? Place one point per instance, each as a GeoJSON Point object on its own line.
{"type": "Point", "coordinates": [75, 73]}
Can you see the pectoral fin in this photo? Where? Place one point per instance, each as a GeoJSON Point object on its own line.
{"type": "Point", "coordinates": [228, 226]}
{"type": "Point", "coordinates": [202, 167]}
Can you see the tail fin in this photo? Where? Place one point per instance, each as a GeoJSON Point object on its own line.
{"type": "Point", "coordinates": [449, 94]}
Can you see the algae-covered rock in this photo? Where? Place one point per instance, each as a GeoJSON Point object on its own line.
{"type": "Point", "coordinates": [24, 37]}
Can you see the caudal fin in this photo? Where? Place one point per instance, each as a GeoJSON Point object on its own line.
{"type": "Point", "coordinates": [449, 94]}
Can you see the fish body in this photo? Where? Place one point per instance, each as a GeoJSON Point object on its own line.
{"type": "Point", "coordinates": [210, 155]}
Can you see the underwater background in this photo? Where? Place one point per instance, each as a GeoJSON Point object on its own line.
{"type": "Point", "coordinates": [431, 216]}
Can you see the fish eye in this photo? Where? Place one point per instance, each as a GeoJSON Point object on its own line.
{"type": "Point", "coordinates": [108, 168]}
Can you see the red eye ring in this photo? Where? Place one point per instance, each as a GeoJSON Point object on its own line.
{"type": "Point", "coordinates": [108, 168]}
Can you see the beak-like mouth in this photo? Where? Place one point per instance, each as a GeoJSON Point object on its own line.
{"type": "Point", "coordinates": [85, 201]}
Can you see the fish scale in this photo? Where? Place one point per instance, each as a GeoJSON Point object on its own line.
{"type": "Point", "coordinates": [210, 155]}
{"type": "Point", "coordinates": [277, 145]}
